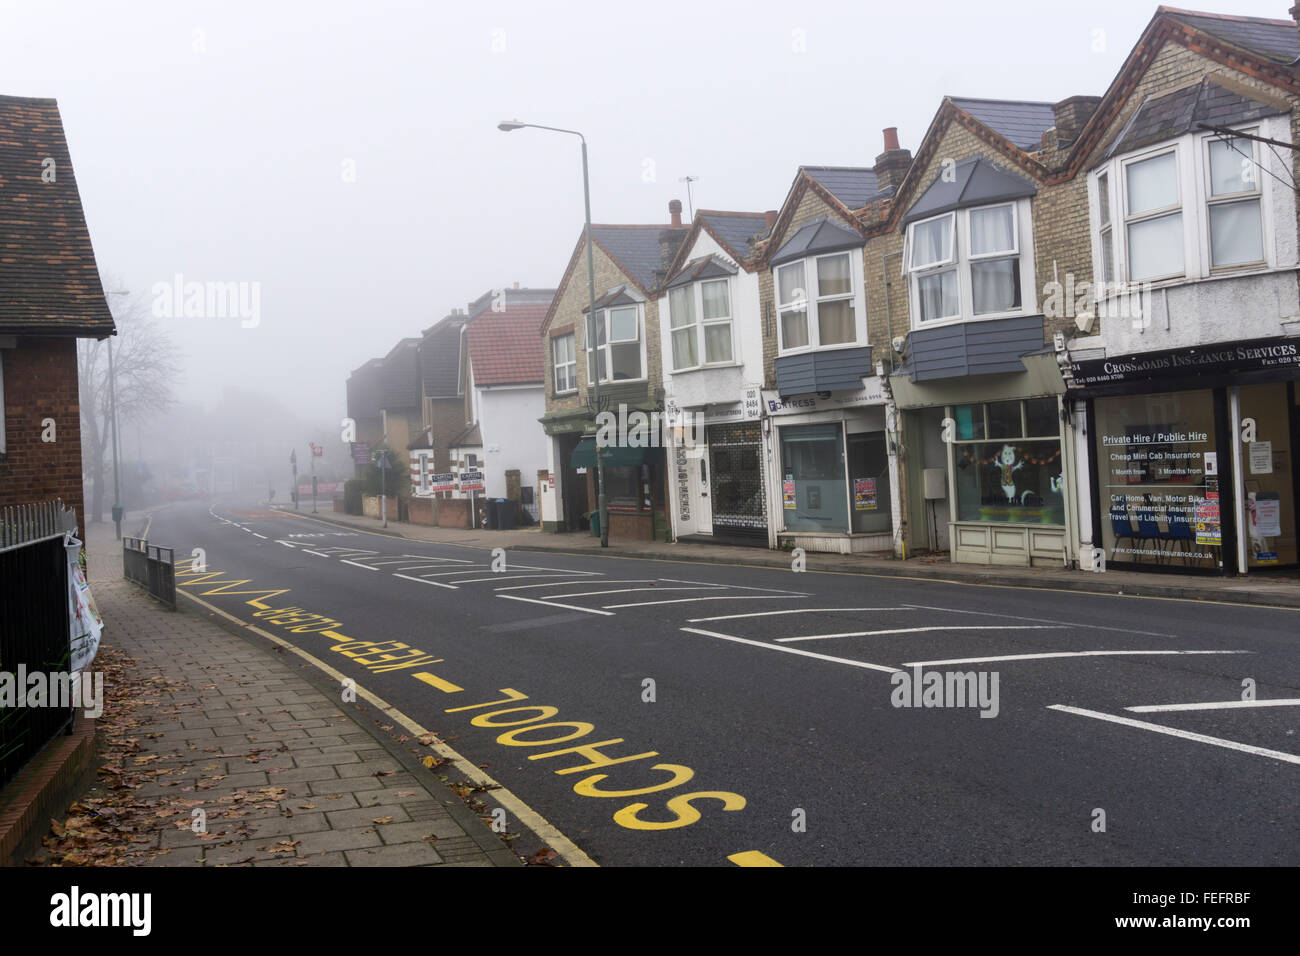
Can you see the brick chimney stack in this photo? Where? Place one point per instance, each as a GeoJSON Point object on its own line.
{"type": "Point", "coordinates": [769, 219]}
{"type": "Point", "coordinates": [675, 211]}
{"type": "Point", "coordinates": [892, 165]}
{"type": "Point", "coordinates": [1072, 116]}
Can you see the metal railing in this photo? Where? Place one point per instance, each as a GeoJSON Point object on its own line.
{"type": "Point", "coordinates": [152, 567]}
{"type": "Point", "coordinates": [34, 630]}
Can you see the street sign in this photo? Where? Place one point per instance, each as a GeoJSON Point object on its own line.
{"type": "Point", "coordinates": [361, 452]}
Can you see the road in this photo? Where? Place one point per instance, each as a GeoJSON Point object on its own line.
{"type": "Point", "coordinates": [774, 698]}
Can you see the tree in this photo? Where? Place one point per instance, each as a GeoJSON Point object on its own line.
{"type": "Point", "coordinates": [145, 363]}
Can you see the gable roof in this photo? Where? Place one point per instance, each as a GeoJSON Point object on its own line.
{"type": "Point", "coordinates": [1021, 123]}
{"type": "Point", "coordinates": [854, 186]}
{"type": "Point", "coordinates": [506, 347]}
{"type": "Point", "coordinates": [1276, 40]}
{"type": "Point", "coordinates": [821, 235]}
{"type": "Point", "coordinates": [440, 358]}
{"type": "Point", "coordinates": [734, 231]}
{"type": "Point", "coordinates": [637, 250]}
{"type": "Point", "coordinates": [1172, 114]}
{"type": "Point", "coordinates": [975, 182]}
{"type": "Point", "coordinates": [49, 281]}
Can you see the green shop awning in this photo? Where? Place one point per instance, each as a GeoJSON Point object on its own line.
{"type": "Point", "coordinates": [615, 456]}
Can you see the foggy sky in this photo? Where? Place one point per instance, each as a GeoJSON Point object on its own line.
{"type": "Point", "coordinates": [209, 139]}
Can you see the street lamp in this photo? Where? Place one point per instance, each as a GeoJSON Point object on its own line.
{"type": "Point", "coordinates": [509, 126]}
{"type": "Point", "coordinates": [112, 406]}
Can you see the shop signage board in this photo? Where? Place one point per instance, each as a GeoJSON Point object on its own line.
{"type": "Point", "coordinates": [873, 393]}
{"type": "Point", "coordinates": [1250, 356]}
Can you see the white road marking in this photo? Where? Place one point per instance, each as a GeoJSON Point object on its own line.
{"type": "Point", "coordinates": [703, 587]}
{"type": "Point", "coordinates": [727, 597]}
{"type": "Point", "coordinates": [356, 565]}
{"type": "Point", "coordinates": [317, 553]}
{"type": "Point", "coordinates": [567, 607]}
{"type": "Point", "coordinates": [740, 587]}
{"type": "Point", "coordinates": [437, 584]}
{"type": "Point", "coordinates": [256, 535]}
{"type": "Point", "coordinates": [1039, 657]}
{"type": "Point", "coordinates": [1216, 705]}
{"type": "Point", "coordinates": [385, 561]}
{"type": "Point", "coordinates": [287, 544]}
{"type": "Point", "coordinates": [793, 650]}
{"type": "Point", "coordinates": [507, 576]}
{"type": "Point", "coordinates": [1039, 620]}
{"type": "Point", "coordinates": [916, 630]}
{"type": "Point", "coordinates": [1184, 734]}
{"type": "Point", "coordinates": [556, 584]}
{"type": "Point", "coordinates": [801, 610]}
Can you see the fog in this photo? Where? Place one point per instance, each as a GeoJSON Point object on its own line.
{"type": "Point", "coordinates": [343, 160]}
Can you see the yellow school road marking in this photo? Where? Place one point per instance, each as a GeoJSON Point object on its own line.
{"type": "Point", "coordinates": [752, 858]}
{"type": "Point", "coordinates": [446, 686]}
{"type": "Point", "coordinates": [526, 815]}
{"type": "Point", "coordinates": [854, 574]}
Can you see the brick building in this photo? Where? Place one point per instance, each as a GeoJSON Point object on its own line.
{"type": "Point", "coordinates": [50, 296]}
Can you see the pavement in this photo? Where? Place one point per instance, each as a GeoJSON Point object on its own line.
{"type": "Point", "coordinates": [1273, 589]}
{"type": "Point", "coordinates": [218, 751]}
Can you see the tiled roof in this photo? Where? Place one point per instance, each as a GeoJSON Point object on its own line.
{"type": "Point", "coordinates": [821, 235]}
{"type": "Point", "coordinates": [1167, 117]}
{"type": "Point", "coordinates": [508, 295]}
{"type": "Point", "coordinates": [735, 230]}
{"type": "Point", "coordinates": [469, 438]}
{"type": "Point", "coordinates": [638, 250]}
{"type": "Point", "coordinates": [976, 181]}
{"type": "Point", "coordinates": [1276, 40]}
{"type": "Point", "coordinates": [399, 385]}
{"type": "Point", "coordinates": [855, 186]}
{"type": "Point", "coordinates": [1021, 123]}
{"type": "Point", "coordinates": [49, 282]}
{"type": "Point", "coordinates": [440, 357]}
{"type": "Point", "coordinates": [363, 390]}
{"type": "Point", "coordinates": [704, 267]}
{"type": "Point", "coordinates": [506, 348]}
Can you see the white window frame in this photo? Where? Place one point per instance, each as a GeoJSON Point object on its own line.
{"type": "Point", "coordinates": [812, 296]}
{"type": "Point", "coordinates": [1192, 153]}
{"type": "Point", "coordinates": [1227, 199]}
{"type": "Point", "coordinates": [1179, 207]}
{"type": "Point", "coordinates": [959, 257]}
{"type": "Point", "coordinates": [571, 364]}
{"type": "Point", "coordinates": [695, 290]}
{"type": "Point", "coordinates": [604, 317]}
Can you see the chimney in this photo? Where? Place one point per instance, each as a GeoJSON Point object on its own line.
{"type": "Point", "coordinates": [769, 219]}
{"type": "Point", "coordinates": [516, 285]}
{"type": "Point", "coordinates": [675, 211]}
{"type": "Point", "coordinates": [892, 165]}
{"type": "Point", "coordinates": [1072, 115]}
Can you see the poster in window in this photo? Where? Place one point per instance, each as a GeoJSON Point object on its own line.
{"type": "Point", "coordinates": [787, 494]}
{"type": "Point", "coordinates": [1264, 514]}
{"type": "Point", "coordinates": [1261, 458]}
{"type": "Point", "coordinates": [864, 494]}
{"type": "Point", "coordinates": [1208, 529]}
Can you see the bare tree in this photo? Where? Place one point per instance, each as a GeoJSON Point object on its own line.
{"type": "Point", "coordinates": [145, 363]}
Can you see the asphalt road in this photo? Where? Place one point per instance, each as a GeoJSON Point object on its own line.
{"type": "Point", "coordinates": [778, 693]}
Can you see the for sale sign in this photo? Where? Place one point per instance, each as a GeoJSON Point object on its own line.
{"type": "Point", "coordinates": [471, 481]}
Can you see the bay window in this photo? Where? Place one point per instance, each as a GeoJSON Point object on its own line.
{"type": "Point", "coordinates": [1153, 218]}
{"type": "Point", "coordinates": [700, 324]}
{"type": "Point", "coordinates": [1233, 200]}
{"type": "Point", "coordinates": [822, 315]}
{"type": "Point", "coordinates": [617, 350]}
{"type": "Point", "coordinates": [980, 277]}
{"type": "Point", "coordinates": [565, 363]}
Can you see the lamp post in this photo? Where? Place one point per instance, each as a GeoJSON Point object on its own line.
{"type": "Point", "coordinates": [508, 126]}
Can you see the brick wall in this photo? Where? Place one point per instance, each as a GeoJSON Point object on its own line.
{"type": "Point", "coordinates": [40, 382]}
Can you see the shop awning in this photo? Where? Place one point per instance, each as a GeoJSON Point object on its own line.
{"type": "Point", "coordinates": [615, 456]}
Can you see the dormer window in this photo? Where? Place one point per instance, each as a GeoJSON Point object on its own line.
{"type": "Point", "coordinates": [967, 263]}
{"type": "Point", "coordinates": [820, 314]}
{"type": "Point", "coordinates": [700, 320]}
{"type": "Point", "coordinates": [618, 348]}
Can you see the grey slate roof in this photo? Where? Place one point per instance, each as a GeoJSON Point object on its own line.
{"type": "Point", "coordinates": [735, 230]}
{"type": "Point", "coordinates": [1276, 40]}
{"type": "Point", "coordinates": [619, 295]}
{"type": "Point", "coordinates": [977, 182]}
{"type": "Point", "coordinates": [440, 358]}
{"type": "Point", "coordinates": [399, 385]}
{"type": "Point", "coordinates": [855, 186]}
{"type": "Point", "coordinates": [638, 249]}
{"type": "Point", "coordinates": [471, 437]}
{"type": "Point", "coordinates": [705, 267]}
{"type": "Point", "coordinates": [1169, 116]}
{"type": "Point", "coordinates": [1021, 123]}
{"type": "Point", "coordinates": [363, 390]}
{"type": "Point", "coordinates": [818, 236]}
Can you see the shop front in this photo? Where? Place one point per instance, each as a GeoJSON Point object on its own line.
{"type": "Point", "coordinates": [634, 483]}
{"type": "Point", "coordinates": [1191, 456]}
{"type": "Point", "coordinates": [829, 460]}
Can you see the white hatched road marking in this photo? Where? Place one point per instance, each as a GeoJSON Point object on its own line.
{"type": "Point", "coordinates": [450, 587]}
{"type": "Point", "coordinates": [356, 565]}
{"type": "Point", "coordinates": [793, 650]}
{"type": "Point", "coordinates": [567, 607]}
{"type": "Point", "coordinates": [556, 584]}
{"type": "Point", "coordinates": [725, 597]}
{"type": "Point", "coordinates": [1183, 734]}
{"type": "Point", "coordinates": [915, 630]}
{"type": "Point", "coordinates": [801, 610]}
{"type": "Point", "coordinates": [1039, 620]}
{"type": "Point", "coordinates": [1039, 657]}
{"type": "Point", "coordinates": [708, 587]}
{"type": "Point", "coordinates": [1216, 705]}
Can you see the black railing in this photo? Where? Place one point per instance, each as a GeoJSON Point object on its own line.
{"type": "Point", "coordinates": [151, 567]}
{"type": "Point", "coordinates": [34, 631]}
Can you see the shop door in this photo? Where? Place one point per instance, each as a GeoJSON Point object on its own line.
{"type": "Point", "coordinates": [697, 488]}
{"type": "Point", "coordinates": [1267, 473]}
{"type": "Point", "coordinates": [869, 483]}
{"type": "Point", "coordinates": [814, 496]}
{"type": "Point", "coordinates": [736, 479]}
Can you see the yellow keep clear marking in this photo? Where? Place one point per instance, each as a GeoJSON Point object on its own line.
{"type": "Point", "coordinates": [446, 686]}
{"type": "Point", "coordinates": [752, 858]}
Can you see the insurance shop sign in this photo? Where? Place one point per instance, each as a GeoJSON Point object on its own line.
{"type": "Point", "coordinates": [1249, 356]}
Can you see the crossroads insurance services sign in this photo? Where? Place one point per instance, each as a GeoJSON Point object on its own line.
{"type": "Point", "coordinates": [1250, 356]}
